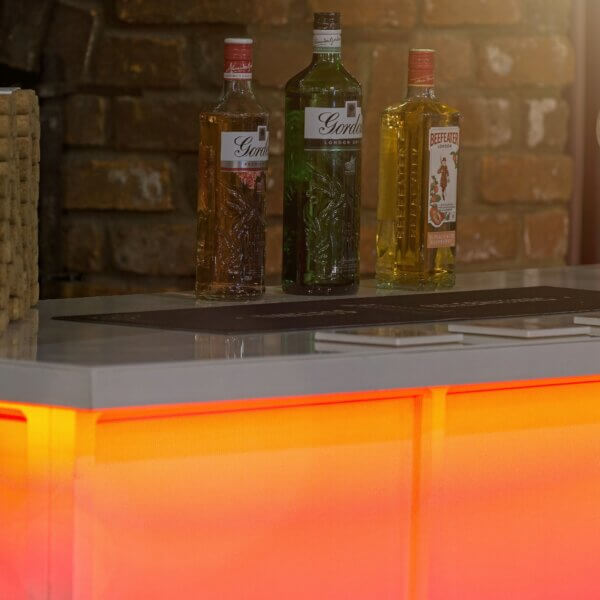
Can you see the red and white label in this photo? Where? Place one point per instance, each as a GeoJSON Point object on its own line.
{"type": "Point", "coordinates": [443, 178]}
{"type": "Point", "coordinates": [243, 150]}
{"type": "Point", "coordinates": [246, 153]}
{"type": "Point", "coordinates": [421, 65]}
{"type": "Point", "coordinates": [238, 61]}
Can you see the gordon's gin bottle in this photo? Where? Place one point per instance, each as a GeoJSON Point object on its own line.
{"type": "Point", "coordinates": [323, 134]}
{"type": "Point", "coordinates": [234, 152]}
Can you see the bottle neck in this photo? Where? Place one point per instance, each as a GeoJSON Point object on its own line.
{"type": "Point", "coordinates": [421, 73]}
{"type": "Point", "coordinates": [237, 86]}
{"type": "Point", "coordinates": [327, 57]}
{"type": "Point", "coordinates": [420, 91]}
{"type": "Point", "coordinates": [327, 46]}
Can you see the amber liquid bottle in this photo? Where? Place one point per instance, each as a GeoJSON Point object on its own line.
{"type": "Point", "coordinates": [418, 177]}
{"type": "Point", "coordinates": [234, 150]}
{"type": "Point", "coordinates": [323, 134]}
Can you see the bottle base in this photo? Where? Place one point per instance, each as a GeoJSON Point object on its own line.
{"type": "Point", "coordinates": [228, 292]}
{"type": "Point", "coordinates": [416, 281]}
{"type": "Point", "coordinates": [320, 289]}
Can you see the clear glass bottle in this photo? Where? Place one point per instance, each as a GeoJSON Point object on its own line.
{"type": "Point", "coordinates": [323, 132]}
{"type": "Point", "coordinates": [234, 149]}
{"type": "Point", "coordinates": [418, 176]}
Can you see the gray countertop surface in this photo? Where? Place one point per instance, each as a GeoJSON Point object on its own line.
{"type": "Point", "coordinates": [92, 366]}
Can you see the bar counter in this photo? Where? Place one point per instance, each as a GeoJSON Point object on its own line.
{"type": "Point", "coordinates": [138, 463]}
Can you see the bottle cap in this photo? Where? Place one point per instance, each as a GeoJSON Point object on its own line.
{"type": "Point", "coordinates": [327, 20]}
{"type": "Point", "coordinates": [238, 58]}
{"type": "Point", "coordinates": [421, 66]}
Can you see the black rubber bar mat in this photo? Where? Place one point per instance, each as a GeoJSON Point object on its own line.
{"type": "Point", "coordinates": [358, 312]}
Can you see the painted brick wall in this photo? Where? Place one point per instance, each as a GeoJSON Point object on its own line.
{"type": "Point", "coordinates": [140, 70]}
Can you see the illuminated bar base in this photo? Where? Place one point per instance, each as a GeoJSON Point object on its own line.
{"type": "Point", "coordinates": [479, 492]}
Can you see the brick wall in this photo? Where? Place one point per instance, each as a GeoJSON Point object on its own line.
{"type": "Point", "coordinates": [140, 70]}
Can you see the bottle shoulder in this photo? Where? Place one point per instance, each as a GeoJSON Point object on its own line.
{"type": "Point", "coordinates": [318, 77]}
{"type": "Point", "coordinates": [236, 104]}
{"type": "Point", "coordinates": [350, 78]}
{"type": "Point", "coordinates": [294, 82]}
{"type": "Point", "coordinates": [422, 106]}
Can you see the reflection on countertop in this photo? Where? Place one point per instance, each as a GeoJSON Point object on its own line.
{"type": "Point", "coordinates": [86, 344]}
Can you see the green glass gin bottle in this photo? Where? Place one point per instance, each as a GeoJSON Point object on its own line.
{"type": "Point", "coordinates": [323, 133]}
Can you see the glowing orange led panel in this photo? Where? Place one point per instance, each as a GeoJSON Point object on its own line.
{"type": "Point", "coordinates": [469, 492]}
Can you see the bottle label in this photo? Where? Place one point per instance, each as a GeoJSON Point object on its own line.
{"type": "Point", "coordinates": [238, 61]}
{"type": "Point", "coordinates": [245, 153]}
{"type": "Point", "coordinates": [421, 64]}
{"type": "Point", "coordinates": [443, 175]}
{"type": "Point", "coordinates": [326, 41]}
{"type": "Point", "coordinates": [333, 128]}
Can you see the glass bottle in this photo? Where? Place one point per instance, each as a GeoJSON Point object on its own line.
{"type": "Point", "coordinates": [323, 132]}
{"type": "Point", "coordinates": [234, 150]}
{"type": "Point", "coordinates": [418, 173]}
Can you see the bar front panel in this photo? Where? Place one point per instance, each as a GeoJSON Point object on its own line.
{"type": "Point", "coordinates": [475, 492]}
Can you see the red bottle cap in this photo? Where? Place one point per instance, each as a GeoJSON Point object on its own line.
{"type": "Point", "coordinates": [421, 65]}
{"type": "Point", "coordinates": [238, 58]}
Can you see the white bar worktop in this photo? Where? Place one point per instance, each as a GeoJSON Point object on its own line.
{"type": "Point", "coordinates": [92, 366]}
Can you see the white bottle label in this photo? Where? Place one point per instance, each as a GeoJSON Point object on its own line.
{"type": "Point", "coordinates": [443, 175]}
{"type": "Point", "coordinates": [327, 40]}
{"type": "Point", "coordinates": [245, 150]}
{"type": "Point", "coordinates": [331, 128]}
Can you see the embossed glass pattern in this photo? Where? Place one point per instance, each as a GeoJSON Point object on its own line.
{"type": "Point", "coordinates": [405, 258]}
{"type": "Point", "coordinates": [230, 254]}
